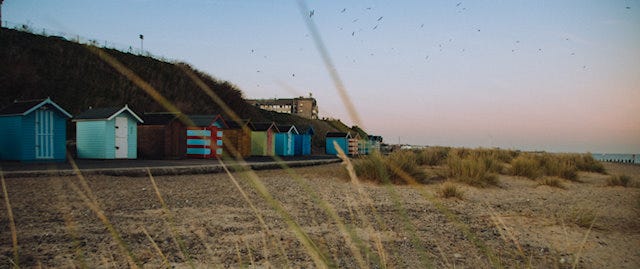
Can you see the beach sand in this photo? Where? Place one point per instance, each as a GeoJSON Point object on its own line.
{"type": "Point", "coordinates": [208, 223]}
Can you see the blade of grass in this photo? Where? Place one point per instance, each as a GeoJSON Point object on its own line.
{"type": "Point", "coordinates": [165, 261]}
{"type": "Point", "coordinates": [584, 242]}
{"type": "Point", "coordinates": [319, 258]}
{"type": "Point", "coordinates": [493, 259]}
{"type": "Point", "coordinates": [328, 63]}
{"type": "Point", "coordinates": [170, 219]}
{"type": "Point", "coordinates": [246, 198]}
{"type": "Point", "coordinates": [91, 201]}
{"type": "Point", "coordinates": [12, 223]}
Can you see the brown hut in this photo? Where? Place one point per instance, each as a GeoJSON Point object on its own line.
{"type": "Point", "coordinates": [162, 136]}
{"type": "Point", "coordinates": [238, 136]}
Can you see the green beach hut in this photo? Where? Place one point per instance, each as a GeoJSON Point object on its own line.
{"type": "Point", "coordinates": [263, 139]}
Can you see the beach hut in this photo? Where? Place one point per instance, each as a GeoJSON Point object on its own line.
{"type": "Point", "coordinates": [33, 130]}
{"type": "Point", "coordinates": [354, 144]}
{"type": "Point", "coordinates": [162, 136]}
{"type": "Point", "coordinates": [262, 139]}
{"type": "Point", "coordinates": [204, 138]}
{"type": "Point", "coordinates": [285, 140]}
{"type": "Point", "coordinates": [238, 136]}
{"type": "Point", "coordinates": [303, 141]}
{"type": "Point", "coordinates": [341, 138]}
{"type": "Point", "coordinates": [375, 141]}
{"type": "Point", "coordinates": [107, 133]}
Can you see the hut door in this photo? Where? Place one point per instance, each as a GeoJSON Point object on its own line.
{"type": "Point", "coordinates": [122, 125]}
{"type": "Point", "coordinates": [44, 134]}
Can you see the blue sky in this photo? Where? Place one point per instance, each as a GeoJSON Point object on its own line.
{"type": "Point", "coordinates": [533, 75]}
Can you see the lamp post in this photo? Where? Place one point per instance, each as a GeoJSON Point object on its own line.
{"type": "Point", "coordinates": [141, 39]}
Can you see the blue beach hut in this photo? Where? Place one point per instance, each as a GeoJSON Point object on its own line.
{"type": "Point", "coordinates": [341, 138]}
{"type": "Point", "coordinates": [285, 140]}
{"type": "Point", "coordinates": [34, 130]}
{"type": "Point", "coordinates": [107, 133]}
{"type": "Point", "coordinates": [303, 141]}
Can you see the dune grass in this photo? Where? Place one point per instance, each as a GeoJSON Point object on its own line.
{"type": "Point", "coordinates": [450, 190]}
{"type": "Point", "coordinates": [566, 166]}
{"type": "Point", "coordinates": [552, 182]}
{"type": "Point", "coordinates": [473, 168]}
{"type": "Point", "coordinates": [382, 169]}
{"type": "Point", "coordinates": [619, 180]}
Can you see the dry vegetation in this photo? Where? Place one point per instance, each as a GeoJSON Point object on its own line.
{"type": "Point", "coordinates": [313, 217]}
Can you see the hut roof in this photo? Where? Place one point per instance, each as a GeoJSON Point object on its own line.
{"type": "Point", "coordinates": [238, 125]}
{"type": "Point", "coordinates": [28, 106]}
{"type": "Point", "coordinates": [263, 126]}
{"type": "Point", "coordinates": [207, 120]}
{"type": "Point", "coordinates": [286, 128]}
{"type": "Point", "coordinates": [305, 129]}
{"type": "Point", "coordinates": [338, 134]}
{"type": "Point", "coordinates": [161, 118]}
{"type": "Point", "coordinates": [105, 113]}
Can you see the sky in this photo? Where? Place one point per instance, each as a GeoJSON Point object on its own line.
{"type": "Point", "coordinates": [559, 76]}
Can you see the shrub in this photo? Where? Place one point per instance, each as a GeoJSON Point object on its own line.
{"type": "Point", "coordinates": [619, 180]}
{"type": "Point", "coordinates": [586, 162]}
{"type": "Point", "coordinates": [370, 168]}
{"type": "Point", "coordinates": [389, 169]}
{"type": "Point", "coordinates": [526, 166]}
{"type": "Point", "coordinates": [448, 190]}
{"type": "Point", "coordinates": [432, 156]}
{"type": "Point", "coordinates": [560, 166]}
{"type": "Point", "coordinates": [582, 217]}
{"type": "Point", "coordinates": [552, 182]}
{"type": "Point", "coordinates": [407, 163]}
{"type": "Point", "coordinates": [472, 170]}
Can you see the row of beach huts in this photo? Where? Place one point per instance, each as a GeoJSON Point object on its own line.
{"type": "Point", "coordinates": [36, 130]}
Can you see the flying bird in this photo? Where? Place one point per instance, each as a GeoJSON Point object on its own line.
{"type": "Point", "coordinates": [353, 33]}
{"type": "Point", "coordinates": [458, 4]}
{"type": "Point", "coordinates": [375, 27]}
{"type": "Point", "coordinates": [311, 13]}
{"type": "Point", "coordinates": [379, 19]}
{"type": "Point", "coordinates": [421, 25]}
{"type": "Point", "coordinates": [354, 20]}
{"type": "Point", "coordinates": [343, 10]}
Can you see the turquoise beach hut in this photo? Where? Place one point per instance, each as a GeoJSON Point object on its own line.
{"type": "Point", "coordinates": [285, 140]}
{"type": "Point", "coordinates": [341, 138]}
{"type": "Point", "coordinates": [107, 133]}
{"type": "Point", "coordinates": [33, 130]}
{"type": "Point", "coordinates": [303, 141]}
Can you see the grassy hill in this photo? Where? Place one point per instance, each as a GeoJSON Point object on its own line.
{"type": "Point", "coordinates": [35, 66]}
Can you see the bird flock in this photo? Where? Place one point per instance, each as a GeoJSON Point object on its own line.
{"type": "Point", "coordinates": [369, 15]}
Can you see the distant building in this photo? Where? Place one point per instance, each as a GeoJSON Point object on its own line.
{"type": "Point", "coordinates": [305, 107]}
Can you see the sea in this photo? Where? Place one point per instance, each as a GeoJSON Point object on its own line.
{"type": "Point", "coordinates": [617, 158]}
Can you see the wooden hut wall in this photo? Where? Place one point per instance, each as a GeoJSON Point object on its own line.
{"type": "Point", "coordinates": [239, 139]}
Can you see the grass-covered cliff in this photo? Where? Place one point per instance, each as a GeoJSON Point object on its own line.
{"type": "Point", "coordinates": [34, 66]}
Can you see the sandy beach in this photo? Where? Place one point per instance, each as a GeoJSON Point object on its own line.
{"type": "Point", "coordinates": [207, 222]}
